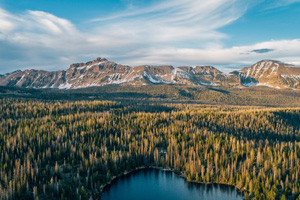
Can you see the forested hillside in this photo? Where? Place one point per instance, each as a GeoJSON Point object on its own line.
{"type": "Point", "coordinates": [254, 96]}
{"type": "Point", "coordinates": [70, 150]}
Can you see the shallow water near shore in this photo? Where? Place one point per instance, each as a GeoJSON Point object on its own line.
{"type": "Point", "coordinates": [154, 184]}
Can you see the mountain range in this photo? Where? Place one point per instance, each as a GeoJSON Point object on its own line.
{"type": "Point", "coordinates": [101, 72]}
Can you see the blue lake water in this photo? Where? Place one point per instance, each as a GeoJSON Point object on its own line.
{"type": "Point", "coordinates": [153, 184]}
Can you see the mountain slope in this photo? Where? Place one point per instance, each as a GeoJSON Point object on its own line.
{"type": "Point", "coordinates": [271, 73]}
{"type": "Point", "coordinates": [34, 79]}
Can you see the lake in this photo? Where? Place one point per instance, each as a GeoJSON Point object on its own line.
{"type": "Point", "coordinates": [149, 184]}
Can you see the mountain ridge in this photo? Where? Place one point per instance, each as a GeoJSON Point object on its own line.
{"type": "Point", "coordinates": [100, 72]}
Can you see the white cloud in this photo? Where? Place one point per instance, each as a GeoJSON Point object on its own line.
{"type": "Point", "coordinates": [170, 32]}
{"type": "Point", "coordinates": [284, 50]}
{"type": "Point", "coordinates": [6, 21]}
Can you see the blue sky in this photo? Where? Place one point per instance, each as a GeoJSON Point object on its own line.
{"type": "Point", "coordinates": [228, 34]}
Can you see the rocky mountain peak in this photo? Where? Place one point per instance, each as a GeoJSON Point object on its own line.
{"type": "Point", "coordinates": [94, 62]}
{"type": "Point", "coordinates": [271, 73]}
{"type": "Point", "coordinates": [208, 70]}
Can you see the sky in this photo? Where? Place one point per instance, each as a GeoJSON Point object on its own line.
{"type": "Point", "coordinates": [228, 34]}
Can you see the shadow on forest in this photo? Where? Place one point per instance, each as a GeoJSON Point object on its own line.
{"type": "Point", "coordinates": [97, 96]}
{"type": "Point", "coordinates": [219, 90]}
{"type": "Point", "coordinates": [147, 108]}
{"type": "Point", "coordinates": [289, 118]}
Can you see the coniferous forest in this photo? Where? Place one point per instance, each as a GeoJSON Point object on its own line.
{"type": "Point", "coordinates": [72, 149]}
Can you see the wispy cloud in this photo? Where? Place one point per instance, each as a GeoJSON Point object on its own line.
{"type": "Point", "coordinates": [40, 39]}
{"type": "Point", "coordinates": [170, 32]}
{"type": "Point", "coordinates": [279, 4]}
{"type": "Point", "coordinates": [172, 23]}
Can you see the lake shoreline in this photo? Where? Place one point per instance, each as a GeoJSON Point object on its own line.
{"type": "Point", "coordinates": [178, 173]}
